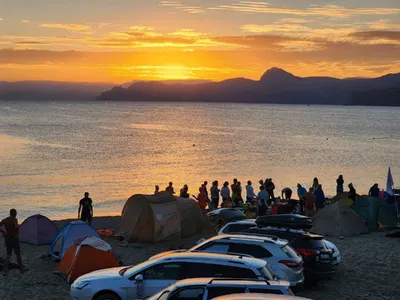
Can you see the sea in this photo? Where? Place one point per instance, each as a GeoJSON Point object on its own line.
{"type": "Point", "coordinates": [51, 152]}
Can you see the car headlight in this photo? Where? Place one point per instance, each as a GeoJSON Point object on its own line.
{"type": "Point", "coordinates": [80, 285]}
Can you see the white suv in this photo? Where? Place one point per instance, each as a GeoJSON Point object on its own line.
{"type": "Point", "coordinates": [209, 288]}
{"type": "Point", "coordinates": [151, 276]}
{"type": "Point", "coordinates": [281, 259]}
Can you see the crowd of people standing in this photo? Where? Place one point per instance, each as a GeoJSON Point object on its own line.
{"type": "Point", "coordinates": [234, 195]}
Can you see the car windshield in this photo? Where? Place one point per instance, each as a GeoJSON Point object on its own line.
{"type": "Point", "coordinates": [133, 269]}
{"type": "Point", "coordinates": [122, 271]}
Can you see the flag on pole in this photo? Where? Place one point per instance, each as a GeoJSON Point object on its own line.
{"type": "Point", "coordinates": [389, 183]}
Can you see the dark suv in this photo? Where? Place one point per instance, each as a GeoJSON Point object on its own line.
{"type": "Point", "coordinates": [318, 259]}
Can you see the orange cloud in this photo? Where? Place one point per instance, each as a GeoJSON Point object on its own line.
{"type": "Point", "coordinates": [190, 33]}
{"type": "Point", "coordinates": [179, 6]}
{"type": "Point", "coordinates": [70, 27]}
{"type": "Point", "coordinates": [252, 28]}
{"type": "Point", "coordinates": [324, 10]}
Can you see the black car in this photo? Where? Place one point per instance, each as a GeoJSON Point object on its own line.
{"type": "Point", "coordinates": [318, 259]}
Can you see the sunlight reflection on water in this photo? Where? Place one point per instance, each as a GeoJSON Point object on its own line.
{"type": "Point", "coordinates": [51, 153]}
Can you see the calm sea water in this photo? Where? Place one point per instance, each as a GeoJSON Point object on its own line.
{"type": "Point", "coordinates": [52, 152]}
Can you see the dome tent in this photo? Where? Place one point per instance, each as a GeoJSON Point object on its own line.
{"type": "Point", "coordinates": [375, 212]}
{"type": "Point", "coordinates": [86, 256]}
{"type": "Point", "coordinates": [37, 230]}
{"type": "Point", "coordinates": [153, 218]}
{"type": "Point", "coordinates": [338, 220]}
{"type": "Point", "coordinates": [67, 237]}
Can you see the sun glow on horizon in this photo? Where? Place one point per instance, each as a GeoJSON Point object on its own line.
{"type": "Point", "coordinates": [188, 39]}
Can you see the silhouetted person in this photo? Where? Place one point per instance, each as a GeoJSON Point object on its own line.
{"type": "Point", "coordinates": [215, 194]}
{"type": "Point", "coordinates": [170, 189]}
{"type": "Point", "coordinates": [287, 193]}
{"type": "Point", "coordinates": [156, 190]}
{"type": "Point", "coordinates": [184, 193]}
{"type": "Point", "coordinates": [201, 199]}
{"type": "Point", "coordinates": [270, 187]}
{"type": "Point", "coordinates": [315, 184]}
{"type": "Point", "coordinates": [352, 192]}
{"type": "Point", "coordinates": [250, 192]}
{"type": "Point", "coordinates": [235, 190]}
{"type": "Point", "coordinates": [205, 189]}
{"type": "Point", "coordinates": [300, 192]}
{"type": "Point", "coordinates": [319, 197]}
{"type": "Point", "coordinates": [262, 208]}
{"type": "Point", "coordinates": [309, 201]}
{"type": "Point", "coordinates": [261, 182]}
{"type": "Point", "coordinates": [263, 195]}
{"type": "Point", "coordinates": [11, 239]}
{"type": "Point", "coordinates": [339, 185]}
{"type": "Point", "coordinates": [86, 207]}
{"type": "Point", "coordinates": [239, 198]}
{"type": "Point", "coordinates": [374, 191]}
{"type": "Point", "coordinates": [225, 194]}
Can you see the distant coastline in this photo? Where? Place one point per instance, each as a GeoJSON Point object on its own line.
{"type": "Point", "coordinates": [275, 86]}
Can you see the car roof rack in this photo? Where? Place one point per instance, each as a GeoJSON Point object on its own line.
{"type": "Point", "coordinates": [240, 255]}
{"type": "Point", "coordinates": [271, 236]}
{"type": "Point", "coordinates": [237, 279]}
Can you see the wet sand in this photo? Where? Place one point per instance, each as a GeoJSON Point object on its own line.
{"type": "Point", "coordinates": [369, 268]}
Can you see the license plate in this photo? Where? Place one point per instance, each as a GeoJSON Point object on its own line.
{"type": "Point", "coordinates": [325, 256]}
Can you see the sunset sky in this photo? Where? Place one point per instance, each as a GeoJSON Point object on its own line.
{"type": "Point", "coordinates": [122, 40]}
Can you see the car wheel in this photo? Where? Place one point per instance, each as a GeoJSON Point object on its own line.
{"type": "Point", "coordinates": [108, 296]}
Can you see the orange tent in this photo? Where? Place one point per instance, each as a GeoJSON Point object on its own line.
{"type": "Point", "coordinates": [90, 255]}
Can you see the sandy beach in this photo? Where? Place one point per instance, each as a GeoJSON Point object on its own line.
{"type": "Point", "coordinates": [369, 268]}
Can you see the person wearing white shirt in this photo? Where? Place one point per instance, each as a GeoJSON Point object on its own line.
{"type": "Point", "coordinates": [249, 192]}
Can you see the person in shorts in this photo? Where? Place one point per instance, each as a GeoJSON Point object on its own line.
{"type": "Point", "coordinates": [11, 239]}
{"type": "Point", "coordinates": [85, 206]}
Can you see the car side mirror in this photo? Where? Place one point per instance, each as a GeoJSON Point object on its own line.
{"type": "Point", "coordinates": [139, 278]}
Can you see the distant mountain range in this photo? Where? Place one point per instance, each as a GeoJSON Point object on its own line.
{"type": "Point", "coordinates": [274, 86]}
{"type": "Point", "coordinates": [51, 90]}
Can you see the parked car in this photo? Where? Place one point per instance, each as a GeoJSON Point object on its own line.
{"type": "Point", "coordinates": [209, 288]}
{"type": "Point", "coordinates": [243, 225]}
{"type": "Point", "coordinates": [317, 258]}
{"type": "Point", "coordinates": [151, 276]}
{"type": "Point", "coordinates": [259, 297]}
{"type": "Point", "coordinates": [281, 259]}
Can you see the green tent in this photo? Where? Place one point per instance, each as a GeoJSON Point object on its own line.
{"type": "Point", "coordinates": [375, 212]}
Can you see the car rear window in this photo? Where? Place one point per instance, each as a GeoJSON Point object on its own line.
{"type": "Point", "coordinates": [290, 252]}
{"type": "Point", "coordinates": [266, 273]}
{"type": "Point", "coordinates": [234, 228]}
{"type": "Point", "coordinates": [214, 292]}
{"type": "Point", "coordinates": [313, 243]}
{"type": "Point", "coordinates": [266, 291]}
{"type": "Point", "coordinates": [253, 250]}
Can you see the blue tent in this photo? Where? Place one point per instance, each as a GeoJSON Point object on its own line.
{"type": "Point", "coordinates": [68, 235]}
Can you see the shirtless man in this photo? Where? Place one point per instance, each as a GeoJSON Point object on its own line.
{"type": "Point", "coordinates": [11, 239]}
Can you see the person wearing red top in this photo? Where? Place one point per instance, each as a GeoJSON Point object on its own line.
{"type": "Point", "coordinates": [201, 198]}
